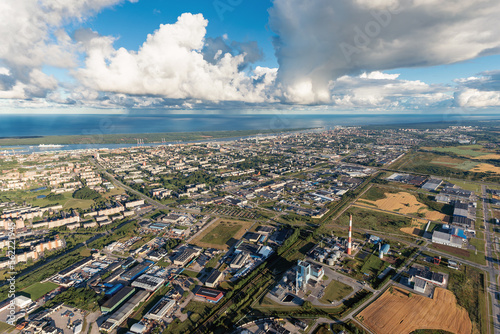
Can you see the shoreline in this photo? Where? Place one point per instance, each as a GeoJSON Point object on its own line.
{"type": "Point", "coordinates": [131, 138]}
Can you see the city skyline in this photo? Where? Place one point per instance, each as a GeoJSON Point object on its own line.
{"type": "Point", "coordinates": [113, 56]}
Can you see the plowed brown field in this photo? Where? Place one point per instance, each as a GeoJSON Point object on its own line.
{"type": "Point", "coordinates": [398, 313]}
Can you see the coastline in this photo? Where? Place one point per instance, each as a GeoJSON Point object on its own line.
{"type": "Point", "coordinates": [131, 138]}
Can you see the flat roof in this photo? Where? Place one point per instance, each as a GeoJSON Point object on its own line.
{"type": "Point", "coordinates": [123, 293]}
{"type": "Point", "coordinates": [209, 293]}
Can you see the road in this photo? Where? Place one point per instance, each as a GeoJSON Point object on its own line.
{"type": "Point", "coordinates": [492, 264]}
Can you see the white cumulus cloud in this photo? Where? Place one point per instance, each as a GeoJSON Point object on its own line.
{"type": "Point", "coordinates": [170, 64]}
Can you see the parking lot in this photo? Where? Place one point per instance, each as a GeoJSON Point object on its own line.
{"type": "Point", "coordinates": [66, 318]}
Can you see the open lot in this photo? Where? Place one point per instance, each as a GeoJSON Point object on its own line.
{"type": "Point", "coordinates": [403, 312]}
{"type": "Point", "coordinates": [222, 234]}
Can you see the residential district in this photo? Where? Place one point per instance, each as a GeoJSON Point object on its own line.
{"type": "Point", "coordinates": [342, 230]}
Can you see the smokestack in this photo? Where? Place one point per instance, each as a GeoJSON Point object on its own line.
{"type": "Point", "coordinates": [349, 240]}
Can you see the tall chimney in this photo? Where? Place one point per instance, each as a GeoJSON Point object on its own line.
{"type": "Point", "coordinates": [349, 240]}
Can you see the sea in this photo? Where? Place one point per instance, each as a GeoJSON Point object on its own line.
{"type": "Point", "coordinates": [27, 125]}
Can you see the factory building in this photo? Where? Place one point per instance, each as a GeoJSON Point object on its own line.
{"type": "Point", "coordinates": [148, 282]}
{"type": "Point", "coordinates": [214, 279]}
{"type": "Point", "coordinates": [160, 309]}
{"type": "Point", "coordinates": [135, 272]}
{"type": "Point", "coordinates": [383, 250]}
{"type": "Point", "coordinates": [124, 312]}
{"type": "Point", "coordinates": [307, 271]}
{"type": "Point", "coordinates": [185, 256]}
{"type": "Point", "coordinates": [114, 302]}
{"type": "Point", "coordinates": [210, 295]}
{"type": "Point", "coordinates": [239, 260]}
{"type": "Point", "coordinates": [446, 238]}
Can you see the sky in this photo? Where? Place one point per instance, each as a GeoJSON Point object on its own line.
{"type": "Point", "coordinates": [242, 56]}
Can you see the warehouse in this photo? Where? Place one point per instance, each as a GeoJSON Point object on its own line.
{"type": "Point", "coordinates": [124, 312]}
{"type": "Point", "coordinates": [75, 266]}
{"type": "Point", "coordinates": [239, 261]}
{"type": "Point", "coordinates": [185, 256]}
{"type": "Point", "coordinates": [210, 295]}
{"type": "Point", "coordinates": [214, 279]}
{"type": "Point", "coordinates": [445, 238]}
{"type": "Point", "coordinates": [420, 285]}
{"type": "Point", "coordinates": [148, 282]}
{"type": "Point", "coordinates": [135, 272]}
{"type": "Point", "coordinates": [160, 309]}
{"type": "Point", "coordinates": [114, 302]}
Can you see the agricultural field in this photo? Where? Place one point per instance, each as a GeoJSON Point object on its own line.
{"type": "Point", "coordinates": [335, 291]}
{"type": "Point", "coordinates": [222, 234]}
{"type": "Point", "coordinates": [405, 203]}
{"type": "Point", "coordinates": [399, 311]}
{"type": "Point", "coordinates": [485, 168]}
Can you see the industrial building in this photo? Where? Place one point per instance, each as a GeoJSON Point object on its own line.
{"type": "Point", "coordinates": [307, 271]}
{"type": "Point", "coordinates": [239, 260]}
{"type": "Point", "coordinates": [185, 256]}
{"type": "Point", "coordinates": [214, 279]}
{"type": "Point", "coordinates": [422, 273]}
{"type": "Point", "coordinates": [420, 285]}
{"type": "Point", "coordinates": [114, 302]}
{"type": "Point", "coordinates": [135, 272]}
{"type": "Point", "coordinates": [383, 250]}
{"type": "Point", "coordinates": [160, 309]}
{"type": "Point", "coordinates": [210, 295]}
{"type": "Point", "coordinates": [446, 238]}
{"type": "Point", "coordinates": [432, 184]}
{"type": "Point", "coordinates": [124, 312]}
{"type": "Point", "coordinates": [148, 282]}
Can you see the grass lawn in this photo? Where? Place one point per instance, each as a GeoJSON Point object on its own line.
{"type": "Point", "coordinates": [373, 265]}
{"type": "Point", "coordinates": [5, 328]}
{"type": "Point", "coordinates": [190, 273]}
{"type": "Point", "coordinates": [222, 233]}
{"type": "Point", "coordinates": [467, 185]}
{"type": "Point", "coordinates": [37, 290]}
{"type": "Point", "coordinates": [335, 291]}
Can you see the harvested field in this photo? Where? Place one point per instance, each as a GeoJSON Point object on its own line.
{"type": "Point", "coordinates": [222, 234]}
{"type": "Point", "coordinates": [399, 312]}
{"type": "Point", "coordinates": [413, 231]}
{"type": "Point", "coordinates": [453, 250]}
{"type": "Point", "coordinates": [484, 168]}
{"type": "Point", "coordinates": [488, 157]}
{"type": "Point", "coordinates": [405, 203]}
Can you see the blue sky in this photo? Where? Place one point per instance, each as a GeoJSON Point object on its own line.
{"type": "Point", "coordinates": [239, 55]}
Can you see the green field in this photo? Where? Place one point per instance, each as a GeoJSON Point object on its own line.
{"type": "Point", "coordinates": [335, 291]}
{"type": "Point", "coordinates": [5, 328]}
{"type": "Point", "coordinates": [374, 220]}
{"type": "Point", "coordinates": [222, 233]}
{"type": "Point", "coordinates": [37, 290]}
{"type": "Point", "coordinates": [464, 165]}
{"type": "Point", "coordinates": [466, 151]}
{"type": "Point", "coordinates": [68, 202]}
{"type": "Point", "coordinates": [373, 265]}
